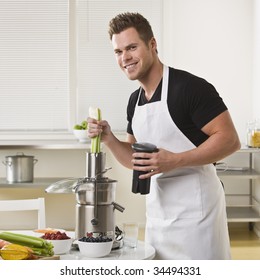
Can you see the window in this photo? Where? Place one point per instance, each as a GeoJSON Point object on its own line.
{"type": "Point", "coordinates": [56, 60]}
{"type": "Point", "coordinates": [34, 65]}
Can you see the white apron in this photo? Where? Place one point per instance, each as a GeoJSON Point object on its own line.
{"type": "Point", "coordinates": [185, 210]}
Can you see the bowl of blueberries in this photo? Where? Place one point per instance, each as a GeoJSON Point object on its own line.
{"type": "Point", "coordinates": [95, 246]}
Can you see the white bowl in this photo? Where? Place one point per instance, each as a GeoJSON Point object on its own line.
{"type": "Point", "coordinates": [62, 246]}
{"type": "Point", "coordinates": [94, 249]}
{"type": "Point", "coordinates": [81, 135]}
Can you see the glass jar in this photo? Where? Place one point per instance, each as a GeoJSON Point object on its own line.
{"type": "Point", "coordinates": [253, 134]}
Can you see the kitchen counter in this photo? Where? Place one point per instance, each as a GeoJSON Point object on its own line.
{"type": "Point", "coordinates": [143, 251]}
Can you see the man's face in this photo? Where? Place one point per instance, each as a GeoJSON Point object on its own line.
{"type": "Point", "coordinates": [133, 56]}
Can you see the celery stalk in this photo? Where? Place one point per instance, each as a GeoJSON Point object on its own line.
{"type": "Point", "coordinates": [95, 113]}
{"type": "Point", "coordinates": [22, 239]}
{"type": "Point", "coordinates": [38, 245]}
{"type": "Point", "coordinates": [42, 252]}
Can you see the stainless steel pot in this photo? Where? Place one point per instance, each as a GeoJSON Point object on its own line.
{"type": "Point", "coordinates": [19, 168]}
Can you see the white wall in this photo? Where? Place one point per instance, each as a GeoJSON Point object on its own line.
{"type": "Point", "coordinates": [214, 39]}
{"type": "Point", "coordinates": [256, 61]}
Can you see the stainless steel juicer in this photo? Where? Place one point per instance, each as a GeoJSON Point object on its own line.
{"type": "Point", "coordinates": [95, 197]}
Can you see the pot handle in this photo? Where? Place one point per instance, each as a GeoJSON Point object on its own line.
{"type": "Point", "coordinates": [35, 161]}
{"type": "Point", "coordinates": [7, 163]}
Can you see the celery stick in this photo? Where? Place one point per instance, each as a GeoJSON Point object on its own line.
{"type": "Point", "coordinates": [31, 237]}
{"type": "Point", "coordinates": [22, 239]}
{"type": "Point", "coordinates": [95, 113]}
{"type": "Point", "coordinates": [38, 245]}
{"type": "Point", "coordinates": [43, 252]}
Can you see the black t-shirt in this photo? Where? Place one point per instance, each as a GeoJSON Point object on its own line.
{"type": "Point", "coordinates": [192, 103]}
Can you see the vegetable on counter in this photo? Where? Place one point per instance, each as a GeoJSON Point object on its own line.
{"type": "Point", "coordinates": [38, 246]}
{"type": "Point", "coordinates": [95, 113]}
{"type": "Point", "coordinates": [15, 252]}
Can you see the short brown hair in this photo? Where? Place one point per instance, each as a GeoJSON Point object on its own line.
{"type": "Point", "coordinates": [126, 20]}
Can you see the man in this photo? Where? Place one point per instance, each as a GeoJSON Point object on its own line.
{"type": "Point", "coordinates": [186, 119]}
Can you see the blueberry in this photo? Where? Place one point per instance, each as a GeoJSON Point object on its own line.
{"type": "Point", "coordinates": [91, 239]}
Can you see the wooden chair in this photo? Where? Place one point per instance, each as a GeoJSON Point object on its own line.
{"type": "Point", "coordinates": [36, 204]}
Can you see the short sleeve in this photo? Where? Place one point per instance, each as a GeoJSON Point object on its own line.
{"type": "Point", "coordinates": [203, 101]}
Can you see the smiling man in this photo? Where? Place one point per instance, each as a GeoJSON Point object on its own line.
{"type": "Point", "coordinates": [184, 116]}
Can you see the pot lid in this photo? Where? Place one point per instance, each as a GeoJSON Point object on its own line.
{"type": "Point", "coordinates": [18, 155]}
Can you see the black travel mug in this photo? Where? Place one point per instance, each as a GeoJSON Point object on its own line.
{"type": "Point", "coordinates": [142, 186]}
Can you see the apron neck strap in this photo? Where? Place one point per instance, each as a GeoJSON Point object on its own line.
{"type": "Point", "coordinates": [165, 80]}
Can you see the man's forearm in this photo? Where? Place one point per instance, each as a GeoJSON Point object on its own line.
{"type": "Point", "coordinates": [214, 149]}
{"type": "Point", "coordinates": [121, 150]}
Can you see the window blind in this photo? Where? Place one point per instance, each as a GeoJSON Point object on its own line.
{"type": "Point", "coordinates": [51, 72]}
{"type": "Point", "coordinates": [34, 65]}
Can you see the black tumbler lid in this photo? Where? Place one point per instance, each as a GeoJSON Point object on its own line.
{"type": "Point", "coordinates": [144, 147]}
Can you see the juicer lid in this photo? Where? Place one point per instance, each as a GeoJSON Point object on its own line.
{"type": "Point", "coordinates": [67, 185]}
{"type": "Point", "coordinates": [70, 185]}
{"type": "Point", "coordinates": [63, 186]}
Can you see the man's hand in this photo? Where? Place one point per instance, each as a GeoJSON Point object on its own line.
{"type": "Point", "coordinates": [154, 163]}
{"type": "Point", "coordinates": [98, 127]}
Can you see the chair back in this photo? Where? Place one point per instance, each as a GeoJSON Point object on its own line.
{"type": "Point", "coordinates": [35, 204]}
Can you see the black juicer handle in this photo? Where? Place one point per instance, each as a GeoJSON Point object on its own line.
{"type": "Point", "coordinates": [142, 186]}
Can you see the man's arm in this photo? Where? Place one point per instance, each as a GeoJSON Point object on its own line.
{"type": "Point", "coordinates": [122, 150]}
{"type": "Point", "coordinates": [223, 141]}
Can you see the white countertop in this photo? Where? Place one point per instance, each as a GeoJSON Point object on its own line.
{"type": "Point", "coordinates": [143, 251]}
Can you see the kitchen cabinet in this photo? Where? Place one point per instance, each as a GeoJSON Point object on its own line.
{"type": "Point", "coordinates": [242, 212]}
